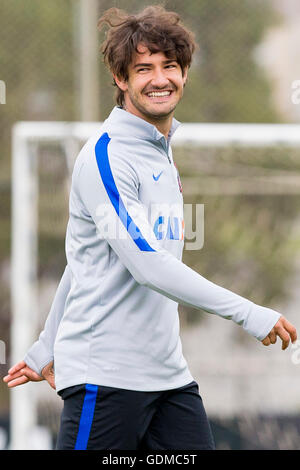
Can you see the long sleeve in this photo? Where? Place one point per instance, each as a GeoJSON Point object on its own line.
{"type": "Point", "coordinates": [108, 186]}
{"type": "Point", "coordinates": [41, 352]}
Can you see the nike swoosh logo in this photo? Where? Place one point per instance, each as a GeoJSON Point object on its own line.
{"type": "Point", "coordinates": [156, 178]}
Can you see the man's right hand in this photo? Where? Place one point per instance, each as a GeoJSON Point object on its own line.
{"type": "Point", "coordinates": [21, 373]}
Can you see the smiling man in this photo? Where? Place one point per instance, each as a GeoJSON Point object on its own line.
{"type": "Point", "coordinates": [113, 328]}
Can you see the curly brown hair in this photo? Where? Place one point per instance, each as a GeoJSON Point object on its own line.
{"type": "Point", "coordinates": [156, 28]}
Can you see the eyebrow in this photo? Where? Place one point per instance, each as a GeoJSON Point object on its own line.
{"type": "Point", "coordinates": [149, 65]}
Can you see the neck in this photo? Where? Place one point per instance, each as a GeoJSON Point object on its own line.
{"type": "Point", "coordinates": [162, 124]}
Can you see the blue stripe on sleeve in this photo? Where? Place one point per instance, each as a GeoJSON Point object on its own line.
{"type": "Point", "coordinates": [86, 418]}
{"type": "Point", "coordinates": [114, 195]}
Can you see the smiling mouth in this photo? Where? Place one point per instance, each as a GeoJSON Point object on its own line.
{"type": "Point", "coordinates": [159, 95]}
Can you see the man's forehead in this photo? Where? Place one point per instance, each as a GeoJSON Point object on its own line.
{"type": "Point", "coordinates": [144, 55]}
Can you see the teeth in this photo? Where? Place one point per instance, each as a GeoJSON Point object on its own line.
{"type": "Point", "coordinates": [159, 93]}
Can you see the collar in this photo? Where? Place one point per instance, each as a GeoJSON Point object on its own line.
{"type": "Point", "coordinates": [135, 126]}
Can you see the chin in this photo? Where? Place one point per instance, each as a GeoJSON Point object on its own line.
{"type": "Point", "coordinates": [156, 112]}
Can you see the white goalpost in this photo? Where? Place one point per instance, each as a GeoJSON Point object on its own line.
{"type": "Point", "coordinates": [26, 138]}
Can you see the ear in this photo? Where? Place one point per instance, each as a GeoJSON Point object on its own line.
{"type": "Point", "coordinates": [121, 83]}
{"type": "Point", "coordinates": [185, 75]}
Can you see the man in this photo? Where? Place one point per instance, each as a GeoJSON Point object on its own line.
{"type": "Point", "coordinates": [113, 329]}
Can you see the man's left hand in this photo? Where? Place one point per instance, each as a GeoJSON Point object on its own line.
{"type": "Point", "coordinates": [286, 332]}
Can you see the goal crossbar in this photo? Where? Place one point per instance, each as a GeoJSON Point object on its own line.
{"type": "Point", "coordinates": [216, 134]}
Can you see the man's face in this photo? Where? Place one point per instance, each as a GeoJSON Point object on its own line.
{"type": "Point", "coordinates": [155, 85]}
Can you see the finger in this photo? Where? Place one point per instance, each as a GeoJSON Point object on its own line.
{"type": "Point", "coordinates": [49, 375]}
{"type": "Point", "coordinates": [17, 367]}
{"type": "Point", "coordinates": [284, 335]}
{"type": "Point", "coordinates": [31, 374]}
{"type": "Point", "coordinates": [51, 382]}
{"type": "Point", "coordinates": [18, 381]}
{"type": "Point", "coordinates": [266, 341]}
{"type": "Point", "coordinates": [290, 329]}
{"type": "Point", "coordinates": [272, 336]}
{"type": "Point", "coordinates": [9, 377]}
{"type": "Point", "coordinates": [26, 371]}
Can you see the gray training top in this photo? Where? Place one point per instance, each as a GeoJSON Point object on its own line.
{"type": "Point", "coordinates": [114, 319]}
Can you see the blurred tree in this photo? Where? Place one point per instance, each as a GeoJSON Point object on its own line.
{"type": "Point", "coordinates": [36, 63]}
{"type": "Point", "coordinates": [229, 85]}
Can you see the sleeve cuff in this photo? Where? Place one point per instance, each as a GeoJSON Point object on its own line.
{"type": "Point", "coordinates": [38, 356]}
{"type": "Point", "coordinates": [260, 321]}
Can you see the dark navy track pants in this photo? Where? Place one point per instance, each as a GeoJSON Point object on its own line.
{"type": "Point", "coordinates": [98, 417]}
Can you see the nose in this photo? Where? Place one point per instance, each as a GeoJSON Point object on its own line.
{"type": "Point", "coordinates": [159, 79]}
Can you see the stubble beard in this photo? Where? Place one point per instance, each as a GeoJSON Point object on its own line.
{"type": "Point", "coordinates": [146, 112]}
